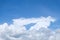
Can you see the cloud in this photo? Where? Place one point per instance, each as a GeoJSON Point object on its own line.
{"type": "Point", "coordinates": [38, 31]}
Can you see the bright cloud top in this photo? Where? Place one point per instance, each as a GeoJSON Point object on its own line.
{"type": "Point", "coordinates": [40, 22]}
{"type": "Point", "coordinates": [18, 31]}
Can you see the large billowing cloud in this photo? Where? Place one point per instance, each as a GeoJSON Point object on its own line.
{"type": "Point", "coordinates": [38, 31]}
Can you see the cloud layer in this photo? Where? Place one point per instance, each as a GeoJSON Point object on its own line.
{"type": "Point", "coordinates": [39, 31]}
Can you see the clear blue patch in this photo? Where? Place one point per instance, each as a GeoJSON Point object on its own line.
{"type": "Point", "coordinates": [29, 26]}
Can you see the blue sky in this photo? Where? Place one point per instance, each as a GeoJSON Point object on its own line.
{"type": "Point", "coordinates": [11, 9]}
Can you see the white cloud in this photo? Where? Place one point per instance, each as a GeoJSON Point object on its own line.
{"type": "Point", "coordinates": [39, 31]}
{"type": "Point", "coordinates": [43, 22]}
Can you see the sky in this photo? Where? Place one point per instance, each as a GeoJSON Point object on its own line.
{"type": "Point", "coordinates": [31, 15]}
{"type": "Point", "coordinates": [12, 9]}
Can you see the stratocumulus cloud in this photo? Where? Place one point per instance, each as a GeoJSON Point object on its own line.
{"type": "Point", "coordinates": [39, 31]}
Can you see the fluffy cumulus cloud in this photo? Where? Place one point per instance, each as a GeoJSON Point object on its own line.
{"type": "Point", "coordinates": [38, 31]}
